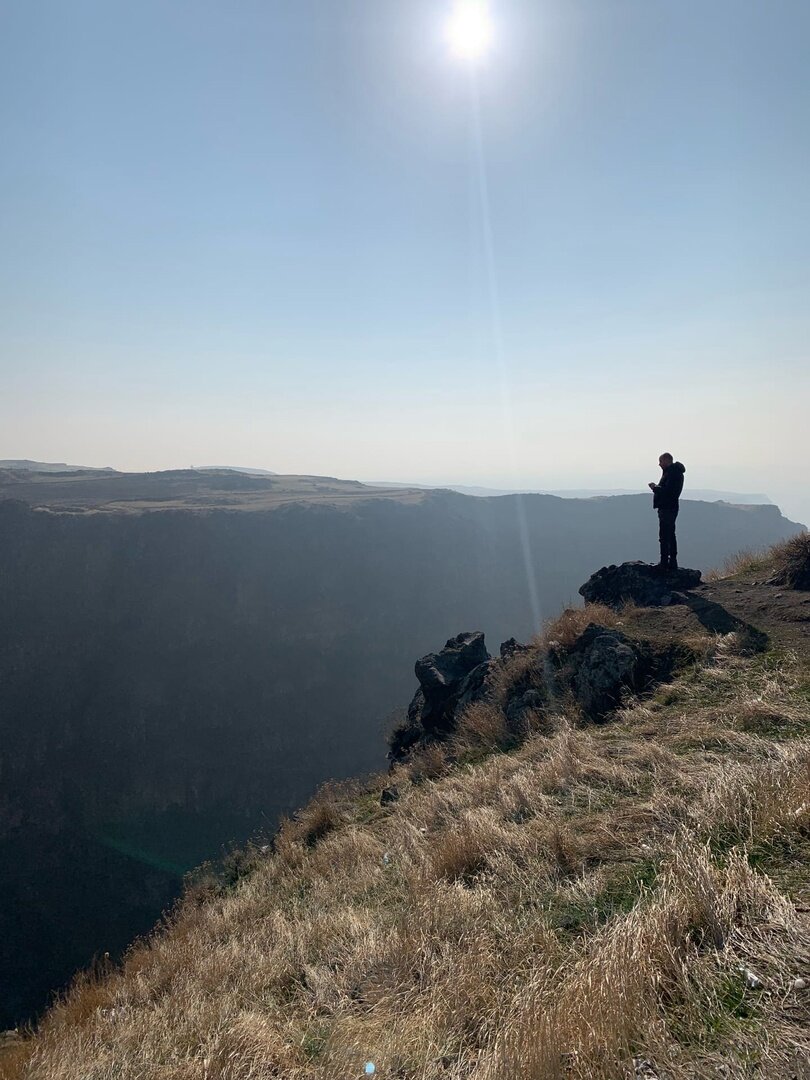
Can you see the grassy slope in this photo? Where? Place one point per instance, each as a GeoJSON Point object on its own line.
{"type": "Point", "coordinates": [628, 899]}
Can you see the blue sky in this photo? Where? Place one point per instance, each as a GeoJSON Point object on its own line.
{"type": "Point", "coordinates": [253, 232]}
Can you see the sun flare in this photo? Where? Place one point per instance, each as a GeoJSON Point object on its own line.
{"type": "Point", "coordinates": [469, 29]}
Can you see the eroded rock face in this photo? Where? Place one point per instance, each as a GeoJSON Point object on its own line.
{"type": "Point", "coordinates": [640, 582]}
{"type": "Point", "coordinates": [600, 669]}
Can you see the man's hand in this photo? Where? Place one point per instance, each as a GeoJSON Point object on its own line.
{"type": "Point", "coordinates": [652, 486]}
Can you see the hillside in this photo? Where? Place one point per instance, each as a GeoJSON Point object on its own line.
{"type": "Point", "coordinates": [77, 488]}
{"type": "Point", "coordinates": [191, 489]}
{"type": "Point", "coordinates": [610, 880]}
{"type": "Point", "coordinates": [173, 679]}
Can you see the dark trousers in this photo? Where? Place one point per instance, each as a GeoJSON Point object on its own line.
{"type": "Point", "coordinates": [666, 535]}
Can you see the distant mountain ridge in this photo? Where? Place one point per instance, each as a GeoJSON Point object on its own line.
{"type": "Point", "coordinates": [26, 465]}
{"type": "Point", "coordinates": [233, 468]}
{"type": "Point", "coordinates": [694, 494]}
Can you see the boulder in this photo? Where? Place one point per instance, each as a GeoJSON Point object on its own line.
{"type": "Point", "coordinates": [639, 582]}
{"type": "Point", "coordinates": [475, 687]}
{"type": "Point", "coordinates": [602, 664]}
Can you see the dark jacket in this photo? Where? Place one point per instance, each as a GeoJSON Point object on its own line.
{"type": "Point", "coordinates": [667, 492]}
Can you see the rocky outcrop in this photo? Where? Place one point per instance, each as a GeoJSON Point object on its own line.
{"type": "Point", "coordinates": [600, 667]}
{"type": "Point", "coordinates": [640, 583]}
{"type": "Point", "coordinates": [460, 674]}
{"type": "Point", "coordinates": [604, 666]}
{"type": "Point", "coordinates": [449, 680]}
{"type": "Point", "coordinates": [512, 648]}
{"type": "Point", "coordinates": [599, 670]}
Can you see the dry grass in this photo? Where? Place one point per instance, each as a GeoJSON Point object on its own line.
{"type": "Point", "coordinates": [569, 625]}
{"type": "Point", "coordinates": [557, 911]}
{"type": "Point", "coordinates": [673, 955]}
{"type": "Point", "coordinates": [481, 729]}
{"type": "Point", "coordinates": [429, 762]}
{"type": "Point", "coordinates": [749, 560]}
{"type": "Point", "coordinates": [786, 563]}
{"type": "Point", "coordinates": [792, 562]}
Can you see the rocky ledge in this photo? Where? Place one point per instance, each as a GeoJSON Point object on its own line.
{"type": "Point", "coordinates": [639, 582]}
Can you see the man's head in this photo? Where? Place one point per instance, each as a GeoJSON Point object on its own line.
{"type": "Point", "coordinates": [665, 460]}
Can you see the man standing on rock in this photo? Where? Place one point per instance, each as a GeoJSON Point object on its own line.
{"type": "Point", "coordinates": [665, 501]}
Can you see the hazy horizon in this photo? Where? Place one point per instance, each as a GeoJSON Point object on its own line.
{"type": "Point", "coordinates": [797, 507]}
{"type": "Point", "coordinates": [309, 238]}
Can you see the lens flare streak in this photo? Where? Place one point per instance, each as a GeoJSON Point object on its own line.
{"type": "Point", "coordinates": [499, 351]}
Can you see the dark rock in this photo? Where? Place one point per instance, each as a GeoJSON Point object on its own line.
{"type": "Point", "coordinates": [475, 687]}
{"type": "Point", "coordinates": [448, 681]}
{"type": "Point", "coordinates": [640, 582]}
{"type": "Point", "coordinates": [443, 679]}
{"type": "Point", "coordinates": [405, 736]}
{"type": "Point", "coordinates": [511, 647]}
{"type": "Point", "coordinates": [389, 794]}
{"type": "Point", "coordinates": [603, 664]}
{"type": "Point", "coordinates": [519, 706]}
{"type": "Point", "coordinates": [528, 690]}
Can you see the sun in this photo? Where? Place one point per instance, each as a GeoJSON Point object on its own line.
{"type": "Point", "coordinates": [469, 29]}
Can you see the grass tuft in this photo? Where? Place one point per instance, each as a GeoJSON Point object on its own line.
{"type": "Point", "coordinates": [792, 562]}
{"type": "Point", "coordinates": [563, 632]}
{"type": "Point", "coordinates": [746, 561]}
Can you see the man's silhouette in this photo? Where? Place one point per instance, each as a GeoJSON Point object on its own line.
{"type": "Point", "coordinates": [665, 500]}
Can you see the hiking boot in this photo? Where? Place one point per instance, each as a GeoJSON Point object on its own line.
{"type": "Point", "coordinates": [673, 564]}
